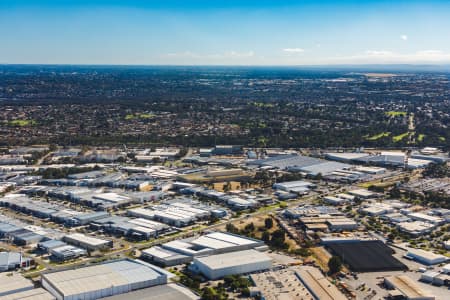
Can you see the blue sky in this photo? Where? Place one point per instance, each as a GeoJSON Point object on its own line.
{"type": "Point", "coordinates": [215, 32]}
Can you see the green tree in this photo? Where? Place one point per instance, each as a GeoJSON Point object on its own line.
{"type": "Point", "coordinates": [334, 264]}
{"type": "Point", "coordinates": [268, 222]}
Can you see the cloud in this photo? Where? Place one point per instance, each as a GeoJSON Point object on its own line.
{"type": "Point", "coordinates": [293, 50]}
{"type": "Point", "coordinates": [404, 37]}
{"type": "Point", "coordinates": [386, 56]}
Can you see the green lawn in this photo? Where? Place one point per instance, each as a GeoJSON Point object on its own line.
{"type": "Point", "coordinates": [399, 137]}
{"type": "Point", "coordinates": [393, 113]}
{"type": "Point", "coordinates": [21, 122]}
{"type": "Point", "coordinates": [441, 138]}
{"type": "Point", "coordinates": [379, 136]}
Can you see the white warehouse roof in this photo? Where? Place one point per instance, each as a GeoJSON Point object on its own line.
{"type": "Point", "coordinates": [103, 280]}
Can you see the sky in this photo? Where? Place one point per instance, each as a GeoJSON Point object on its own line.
{"type": "Point", "coordinates": [224, 32]}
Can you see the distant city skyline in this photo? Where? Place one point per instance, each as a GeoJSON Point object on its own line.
{"type": "Point", "coordinates": [200, 32]}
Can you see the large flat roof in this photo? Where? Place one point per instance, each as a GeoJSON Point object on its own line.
{"type": "Point", "coordinates": [93, 278]}
{"type": "Point", "coordinates": [166, 292]}
{"type": "Point", "coordinates": [408, 287]}
{"type": "Point", "coordinates": [87, 239]}
{"type": "Point", "coordinates": [35, 294]}
{"type": "Point", "coordinates": [318, 285]}
{"type": "Point", "coordinates": [233, 259]}
{"type": "Point", "coordinates": [13, 282]}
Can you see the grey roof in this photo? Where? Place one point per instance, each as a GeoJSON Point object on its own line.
{"type": "Point", "coordinates": [166, 292]}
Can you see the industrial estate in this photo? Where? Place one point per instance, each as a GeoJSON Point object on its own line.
{"type": "Point", "coordinates": [224, 222]}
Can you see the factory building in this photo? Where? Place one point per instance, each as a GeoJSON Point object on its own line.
{"type": "Point", "coordinates": [13, 283]}
{"type": "Point", "coordinates": [13, 261]}
{"type": "Point", "coordinates": [135, 229]}
{"type": "Point", "coordinates": [66, 252]}
{"type": "Point", "coordinates": [217, 266]}
{"type": "Point", "coordinates": [426, 257]}
{"type": "Point", "coordinates": [318, 285]}
{"type": "Point", "coordinates": [34, 294]}
{"type": "Point", "coordinates": [169, 291]}
{"type": "Point", "coordinates": [87, 242]}
{"type": "Point", "coordinates": [177, 213]}
{"type": "Point", "coordinates": [298, 187]}
{"type": "Point", "coordinates": [164, 257]}
{"type": "Point", "coordinates": [405, 287]}
{"type": "Point", "coordinates": [103, 280]}
{"type": "Point", "coordinates": [181, 251]}
{"type": "Point", "coordinates": [426, 218]}
{"type": "Point", "coordinates": [341, 224]}
{"type": "Point", "coordinates": [415, 228]}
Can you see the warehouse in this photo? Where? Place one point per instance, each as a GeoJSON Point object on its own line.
{"type": "Point", "coordinates": [318, 285]}
{"type": "Point", "coordinates": [362, 194]}
{"type": "Point", "coordinates": [103, 280]}
{"type": "Point", "coordinates": [409, 289]}
{"type": "Point", "coordinates": [66, 252]}
{"type": "Point", "coordinates": [170, 291]}
{"type": "Point", "coordinates": [415, 228]}
{"type": "Point", "coordinates": [49, 245]}
{"type": "Point", "coordinates": [426, 257]}
{"type": "Point", "coordinates": [136, 229]}
{"type": "Point", "coordinates": [334, 200]}
{"type": "Point", "coordinates": [13, 261]}
{"type": "Point", "coordinates": [86, 218]}
{"type": "Point", "coordinates": [426, 218]}
{"type": "Point", "coordinates": [35, 294]}
{"type": "Point", "coordinates": [212, 243]}
{"type": "Point", "coordinates": [87, 242]}
{"type": "Point", "coordinates": [294, 186]}
{"type": "Point", "coordinates": [218, 266]}
{"type": "Point", "coordinates": [164, 257]}
{"type": "Point", "coordinates": [340, 224]}
{"type": "Point", "coordinates": [13, 283]}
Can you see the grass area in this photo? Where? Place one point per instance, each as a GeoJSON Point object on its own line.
{"type": "Point", "coordinates": [379, 136]}
{"type": "Point", "coordinates": [22, 122]}
{"type": "Point", "coordinates": [139, 116]}
{"type": "Point", "coordinates": [399, 137]}
{"type": "Point", "coordinates": [420, 137]}
{"type": "Point", "coordinates": [441, 138]}
{"type": "Point", "coordinates": [394, 113]}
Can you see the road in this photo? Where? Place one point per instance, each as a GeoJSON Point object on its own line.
{"type": "Point", "coordinates": [128, 247]}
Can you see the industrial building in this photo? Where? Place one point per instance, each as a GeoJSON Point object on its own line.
{"type": "Point", "coordinates": [407, 288]}
{"type": "Point", "coordinates": [13, 261]}
{"type": "Point", "coordinates": [66, 252]}
{"type": "Point", "coordinates": [87, 242]}
{"type": "Point", "coordinates": [415, 228]}
{"type": "Point", "coordinates": [164, 257]}
{"type": "Point", "coordinates": [103, 280]}
{"type": "Point", "coordinates": [426, 257]}
{"type": "Point", "coordinates": [298, 163]}
{"type": "Point", "coordinates": [426, 218]}
{"type": "Point", "coordinates": [13, 283]}
{"type": "Point", "coordinates": [182, 251]}
{"type": "Point", "coordinates": [276, 284]}
{"type": "Point", "coordinates": [299, 187]}
{"type": "Point", "coordinates": [383, 159]}
{"type": "Point", "coordinates": [34, 294]}
{"type": "Point", "coordinates": [318, 286]}
{"type": "Point", "coordinates": [217, 266]}
{"type": "Point", "coordinates": [170, 291]}
{"type": "Point", "coordinates": [176, 213]}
